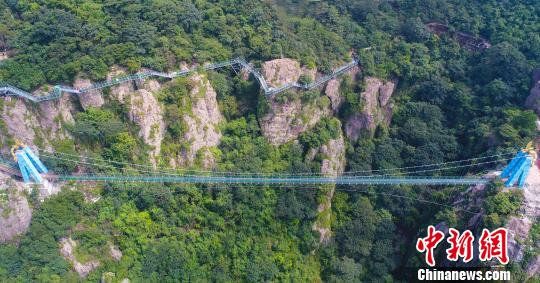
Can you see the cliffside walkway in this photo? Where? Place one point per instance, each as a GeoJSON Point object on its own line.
{"type": "Point", "coordinates": [9, 90]}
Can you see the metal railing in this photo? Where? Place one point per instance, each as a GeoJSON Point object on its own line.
{"type": "Point", "coordinates": [10, 90]}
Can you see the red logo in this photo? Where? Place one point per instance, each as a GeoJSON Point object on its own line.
{"type": "Point", "coordinates": [491, 245]}
{"type": "Point", "coordinates": [460, 246]}
{"type": "Point", "coordinates": [429, 243]}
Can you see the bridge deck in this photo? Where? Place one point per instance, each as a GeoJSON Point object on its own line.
{"type": "Point", "coordinates": [427, 180]}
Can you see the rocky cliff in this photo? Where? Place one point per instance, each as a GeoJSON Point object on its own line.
{"type": "Point", "coordinates": [202, 121]}
{"type": "Point", "coordinates": [376, 108]}
{"type": "Point", "coordinates": [15, 212]}
{"type": "Point", "coordinates": [282, 71]}
{"type": "Point", "coordinates": [34, 124]}
{"type": "Point", "coordinates": [519, 227]}
{"type": "Point", "coordinates": [289, 116]}
{"type": "Point", "coordinates": [92, 98]}
{"type": "Point", "coordinates": [332, 165]}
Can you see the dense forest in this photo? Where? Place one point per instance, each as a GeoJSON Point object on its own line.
{"type": "Point", "coordinates": [452, 103]}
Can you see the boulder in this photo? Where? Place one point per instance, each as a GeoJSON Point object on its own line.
{"type": "Point", "coordinates": [88, 99]}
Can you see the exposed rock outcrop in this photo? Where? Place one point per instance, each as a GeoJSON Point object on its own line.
{"type": "Point", "coordinates": [52, 115]}
{"type": "Point", "coordinates": [15, 213]}
{"type": "Point", "coordinates": [333, 165]}
{"type": "Point", "coordinates": [520, 226]}
{"type": "Point", "coordinates": [88, 99]}
{"type": "Point", "coordinates": [533, 101]}
{"type": "Point", "coordinates": [332, 91]}
{"type": "Point", "coordinates": [19, 120]}
{"type": "Point", "coordinates": [68, 251]}
{"type": "Point", "coordinates": [146, 111]}
{"type": "Point", "coordinates": [116, 254]}
{"type": "Point", "coordinates": [202, 123]}
{"type": "Point", "coordinates": [281, 71]}
{"type": "Point", "coordinates": [377, 108]}
{"type": "Point", "coordinates": [333, 153]}
{"type": "Point", "coordinates": [30, 124]}
{"type": "Point", "coordinates": [286, 121]}
{"type": "Point", "coordinates": [120, 91]}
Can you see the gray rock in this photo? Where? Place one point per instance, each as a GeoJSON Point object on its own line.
{"type": "Point", "coordinates": [202, 123]}
{"type": "Point", "coordinates": [146, 111]}
{"type": "Point", "coordinates": [89, 99]}
{"type": "Point", "coordinates": [67, 250]}
{"type": "Point", "coordinates": [377, 108]}
{"type": "Point", "coordinates": [15, 214]}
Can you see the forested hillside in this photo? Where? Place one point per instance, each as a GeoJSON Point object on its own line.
{"type": "Point", "coordinates": [418, 97]}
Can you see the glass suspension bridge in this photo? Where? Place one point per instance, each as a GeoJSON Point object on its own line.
{"type": "Point", "coordinates": [30, 168]}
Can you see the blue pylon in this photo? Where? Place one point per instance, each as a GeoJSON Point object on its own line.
{"type": "Point", "coordinates": [518, 169]}
{"type": "Point", "coordinates": [29, 164]}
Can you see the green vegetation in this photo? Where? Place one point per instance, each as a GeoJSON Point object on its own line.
{"type": "Point", "coordinates": [451, 103]}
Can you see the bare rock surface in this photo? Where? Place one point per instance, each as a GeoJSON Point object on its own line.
{"type": "Point", "coordinates": [20, 121]}
{"type": "Point", "coordinates": [202, 123]}
{"type": "Point", "coordinates": [332, 165]}
{"type": "Point", "coordinates": [332, 91]}
{"type": "Point", "coordinates": [88, 99]}
{"type": "Point", "coordinates": [146, 111]}
{"type": "Point", "coordinates": [67, 250]}
{"type": "Point", "coordinates": [281, 71]}
{"type": "Point", "coordinates": [15, 212]}
{"type": "Point", "coordinates": [115, 252]}
{"type": "Point", "coordinates": [120, 91]}
{"type": "Point", "coordinates": [519, 226]}
{"type": "Point", "coordinates": [533, 101]}
{"type": "Point", "coordinates": [52, 115]}
{"type": "Point", "coordinates": [286, 121]}
{"type": "Point", "coordinates": [377, 108]}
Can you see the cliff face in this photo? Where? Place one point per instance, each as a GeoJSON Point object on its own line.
{"type": "Point", "coordinates": [146, 112]}
{"type": "Point", "coordinates": [15, 212]}
{"type": "Point", "coordinates": [377, 108]}
{"type": "Point", "coordinates": [35, 124]}
{"type": "Point", "coordinates": [332, 165]}
{"type": "Point", "coordinates": [281, 71]}
{"type": "Point", "coordinates": [519, 227]}
{"type": "Point", "coordinates": [202, 123]}
{"type": "Point", "coordinates": [286, 120]}
{"type": "Point", "coordinates": [92, 98]}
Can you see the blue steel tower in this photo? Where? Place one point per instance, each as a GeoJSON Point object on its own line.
{"type": "Point", "coordinates": [29, 164]}
{"type": "Point", "coordinates": [518, 169]}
